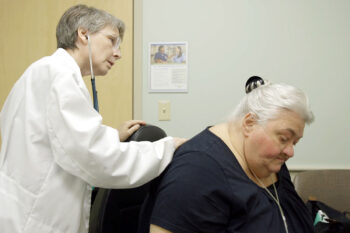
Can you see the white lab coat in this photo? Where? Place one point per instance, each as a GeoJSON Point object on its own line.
{"type": "Point", "coordinates": [55, 147]}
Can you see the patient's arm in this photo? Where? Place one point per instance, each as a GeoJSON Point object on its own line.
{"type": "Point", "coordinates": [157, 229]}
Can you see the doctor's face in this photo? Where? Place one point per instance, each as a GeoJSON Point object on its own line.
{"type": "Point", "coordinates": [105, 50]}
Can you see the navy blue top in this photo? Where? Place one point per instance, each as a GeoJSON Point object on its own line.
{"type": "Point", "coordinates": [204, 189]}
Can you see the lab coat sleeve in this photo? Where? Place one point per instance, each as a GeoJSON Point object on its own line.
{"type": "Point", "coordinates": [84, 147]}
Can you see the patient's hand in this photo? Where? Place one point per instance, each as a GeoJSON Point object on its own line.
{"type": "Point", "coordinates": [157, 229]}
{"type": "Point", "coordinates": [128, 128]}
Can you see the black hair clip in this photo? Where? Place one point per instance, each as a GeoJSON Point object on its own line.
{"type": "Point", "coordinates": [252, 83]}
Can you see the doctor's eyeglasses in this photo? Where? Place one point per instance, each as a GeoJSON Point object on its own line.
{"type": "Point", "coordinates": [114, 40]}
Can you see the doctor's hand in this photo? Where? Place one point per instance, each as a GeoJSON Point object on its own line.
{"type": "Point", "coordinates": [128, 128]}
{"type": "Point", "coordinates": [179, 141]}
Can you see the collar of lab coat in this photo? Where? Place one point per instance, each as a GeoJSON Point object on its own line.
{"type": "Point", "coordinates": [63, 56]}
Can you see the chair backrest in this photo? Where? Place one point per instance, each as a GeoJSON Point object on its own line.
{"type": "Point", "coordinates": [117, 210]}
{"type": "Point", "coordinates": [329, 186]}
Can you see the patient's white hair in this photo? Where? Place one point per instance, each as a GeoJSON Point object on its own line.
{"type": "Point", "coordinates": [268, 100]}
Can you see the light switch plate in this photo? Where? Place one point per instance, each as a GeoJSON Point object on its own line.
{"type": "Point", "coordinates": [164, 110]}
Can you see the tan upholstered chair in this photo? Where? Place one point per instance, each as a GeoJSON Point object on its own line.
{"type": "Point", "coordinates": [329, 186]}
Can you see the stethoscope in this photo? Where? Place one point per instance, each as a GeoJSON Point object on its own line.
{"type": "Point", "coordinates": [116, 45]}
{"type": "Point", "coordinates": [93, 85]}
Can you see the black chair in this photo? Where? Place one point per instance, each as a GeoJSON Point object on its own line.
{"type": "Point", "coordinates": [117, 210]}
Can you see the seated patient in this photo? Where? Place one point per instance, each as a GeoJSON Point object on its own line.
{"type": "Point", "coordinates": [232, 176]}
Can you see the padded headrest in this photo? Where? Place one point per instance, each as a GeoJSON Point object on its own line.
{"type": "Point", "coordinates": [147, 133]}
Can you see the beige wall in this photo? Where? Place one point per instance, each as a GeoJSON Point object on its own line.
{"type": "Point", "coordinates": [28, 33]}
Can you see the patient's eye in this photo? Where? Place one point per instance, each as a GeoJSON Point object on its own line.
{"type": "Point", "coordinates": [283, 139]}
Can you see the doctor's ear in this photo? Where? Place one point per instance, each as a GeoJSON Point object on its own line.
{"type": "Point", "coordinates": [83, 35]}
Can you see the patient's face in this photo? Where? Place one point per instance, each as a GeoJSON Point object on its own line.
{"type": "Point", "coordinates": [270, 145]}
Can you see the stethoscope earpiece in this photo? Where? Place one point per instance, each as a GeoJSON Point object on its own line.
{"type": "Point", "coordinates": [94, 91]}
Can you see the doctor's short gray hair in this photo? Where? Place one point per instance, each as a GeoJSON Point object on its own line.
{"type": "Point", "coordinates": [89, 18]}
{"type": "Point", "coordinates": [268, 100]}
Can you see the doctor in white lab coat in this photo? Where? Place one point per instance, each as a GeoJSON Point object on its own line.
{"type": "Point", "coordinates": [54, 145]}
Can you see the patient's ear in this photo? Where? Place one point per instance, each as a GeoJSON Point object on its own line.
{"type": "Point", "coordinates": [248, 123]}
